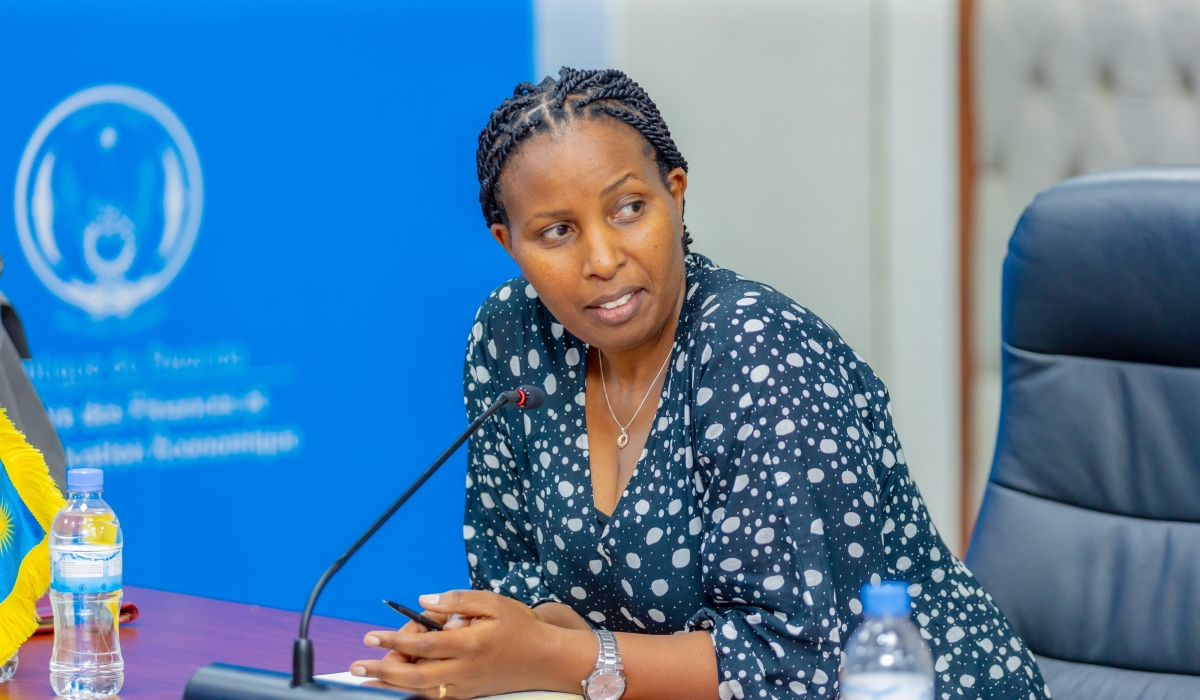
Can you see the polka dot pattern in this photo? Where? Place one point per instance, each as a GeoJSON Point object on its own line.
{"type": "Point", "coordinates": [771, 488]}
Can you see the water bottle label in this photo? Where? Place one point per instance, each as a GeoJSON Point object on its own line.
{"type": "Point", "coordinates": [85, 570]}
{"type": "Point", "coordinates": [887, 686]}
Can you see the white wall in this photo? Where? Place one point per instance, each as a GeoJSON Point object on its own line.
{"type": "Point", "coordinates": [921, 142]}
{"type": "Point", "coordinates": [779, 153]}
{"type": "Point", "coordinates": [821, 141]}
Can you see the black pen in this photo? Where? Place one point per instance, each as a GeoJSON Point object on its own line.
{"type": "Point", "coordinates": [414, 616]}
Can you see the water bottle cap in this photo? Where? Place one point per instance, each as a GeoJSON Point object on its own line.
{"type": "Point", "coordinates": [889, 598]}
{"type": "Point", "coordinates": [85, 480]}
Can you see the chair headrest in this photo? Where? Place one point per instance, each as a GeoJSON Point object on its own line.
{"type": "Point", "coordinates": [1108, 266]}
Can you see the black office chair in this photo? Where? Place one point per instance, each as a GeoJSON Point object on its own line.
{"type": "Point", "coordinates": [1089, 535]}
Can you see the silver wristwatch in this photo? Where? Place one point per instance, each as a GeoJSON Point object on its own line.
{"type": "Point", "coordinates": [606, 682]}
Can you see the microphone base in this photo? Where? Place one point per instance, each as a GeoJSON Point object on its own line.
{"type": "Point", "coordinates": [225, 682]}
{"type": "Point", "coordinates": [302, 661]}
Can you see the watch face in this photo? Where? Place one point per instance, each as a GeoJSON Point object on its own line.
{"type": "Point", "coordinates": [605, 685]}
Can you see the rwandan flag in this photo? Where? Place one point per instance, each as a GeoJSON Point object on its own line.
{"type": "Point", "coordinates": [28, 502]}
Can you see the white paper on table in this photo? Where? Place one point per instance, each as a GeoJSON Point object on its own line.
{"type": "Point", "coordinates": [346, 678]}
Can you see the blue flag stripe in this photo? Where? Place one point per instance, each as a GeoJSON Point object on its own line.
{"type": "Point", "coordinates": [24, 534]}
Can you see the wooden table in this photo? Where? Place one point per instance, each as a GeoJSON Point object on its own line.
{"type": "Point", "coordinates": [176, 634]}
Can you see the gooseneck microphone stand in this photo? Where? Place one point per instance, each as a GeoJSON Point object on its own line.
{"type": "Point", "coordinates": [224, 682]}
{"type": "Point", "coordinates": [302, 650]}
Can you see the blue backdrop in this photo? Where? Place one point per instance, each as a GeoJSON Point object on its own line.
{"type": "Point", "coordinates": [244, 238]}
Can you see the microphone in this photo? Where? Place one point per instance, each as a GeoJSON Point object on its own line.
{"type": "Point", "coordinates": [227, 682]}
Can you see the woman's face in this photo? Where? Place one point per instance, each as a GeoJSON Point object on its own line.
{"type": "Point", "coordinates": [596, 231]}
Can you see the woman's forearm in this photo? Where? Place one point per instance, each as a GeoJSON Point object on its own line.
{"type": "Point", "coordinates": [658, 667]}
{"type": "Point", "coordinates": [682, 666]}
{"type": "Point", "coordinates": [561, 615]}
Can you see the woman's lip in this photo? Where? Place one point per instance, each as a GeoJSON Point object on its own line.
{"type": "Point", "coordinates": [619, 314]}
{"type": "Point", "coordinates": [608, 298]}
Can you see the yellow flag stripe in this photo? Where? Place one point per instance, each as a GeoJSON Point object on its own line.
{"type": "Point", "coordinates": [26, 469]}
{"type": "Point", "coordinates": [28, 472]}
{"type": "Point", "coordinates": [18, 612]}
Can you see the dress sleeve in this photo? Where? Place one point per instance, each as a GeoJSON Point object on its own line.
{"type": "Point", "coordinates": [788, 487]}
{"type": "Point", "coordinates": [501, 551]}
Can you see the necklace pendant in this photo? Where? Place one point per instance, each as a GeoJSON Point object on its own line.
{"type": "Point", "coordinates": [623, 440]}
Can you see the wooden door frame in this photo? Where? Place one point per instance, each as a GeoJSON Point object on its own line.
{"type": "Point", "coordinates": [966, 262]}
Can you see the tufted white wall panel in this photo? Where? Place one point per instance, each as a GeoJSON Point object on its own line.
{"type": "Point", "coordinates": [1065, 87]}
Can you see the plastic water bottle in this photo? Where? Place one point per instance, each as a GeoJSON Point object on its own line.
{"type": "Point", "coordinates": [85, 590]}
{"type": "Point", "coordinates": [886, 658]}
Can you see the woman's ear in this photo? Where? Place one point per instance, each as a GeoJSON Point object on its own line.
{"type": "Point", "coordinates": [501, 234]}
{"type": "Point", "coordinates": [677, 185]}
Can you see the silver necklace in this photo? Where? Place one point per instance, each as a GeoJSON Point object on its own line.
{"type": "Point", "coordinates": [623, 439]}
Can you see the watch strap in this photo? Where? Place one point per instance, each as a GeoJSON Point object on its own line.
{"type": "Point", "coordinates": [609, 656]}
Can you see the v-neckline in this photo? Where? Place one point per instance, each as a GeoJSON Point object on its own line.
{"type": "Point", "coordinates": [637, 467]}
{"type": "Point", "coordinates": [661, 405]}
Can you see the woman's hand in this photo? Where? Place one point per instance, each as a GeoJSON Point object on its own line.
{"type": "Point", "coordinates": [504, 647]}
{"type": "Point", "coordinates": [413, 627]}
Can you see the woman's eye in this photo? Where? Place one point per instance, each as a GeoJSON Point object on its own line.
{"type": "Point", "coordinates": [556, 232]}
{"type": "Point", "coordinates": [631, 210]}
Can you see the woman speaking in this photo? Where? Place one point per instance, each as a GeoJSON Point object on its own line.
{"type": "Point", "coordinates": [714, 475]}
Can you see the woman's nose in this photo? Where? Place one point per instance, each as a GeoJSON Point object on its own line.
{"type": "Point", "coordinates": [604, 253]}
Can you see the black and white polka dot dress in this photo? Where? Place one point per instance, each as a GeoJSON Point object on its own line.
{"type": "Point", "coordinates": [771, 488]}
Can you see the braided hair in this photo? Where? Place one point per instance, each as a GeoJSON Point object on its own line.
{"type": "Point", "coordinates": [540, 108]}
